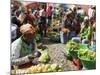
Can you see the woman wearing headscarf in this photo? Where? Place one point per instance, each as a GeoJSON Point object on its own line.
{"type": "Point", "coordinates": [22, 48]}
{"type": "Point", "coordinates": [86, 32]}
{"type": "Point", "coordinates": [86, 29]}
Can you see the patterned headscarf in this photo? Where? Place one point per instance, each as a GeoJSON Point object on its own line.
{"type": "Point", "coordinates": [27, 28]}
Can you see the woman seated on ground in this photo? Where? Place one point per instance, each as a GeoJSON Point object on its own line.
{"type": "Point", "coordinates": [23, 47]}
{"type": "Point", "coordinates": [86, 30]}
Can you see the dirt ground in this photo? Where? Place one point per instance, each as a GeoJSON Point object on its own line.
{"type": "Point", "coordinates": [56, 53]}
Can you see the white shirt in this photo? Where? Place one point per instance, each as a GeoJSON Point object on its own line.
{"type": "Point", "coordinates": [15, 52]}
{"type": "Point", "coordinates": [90, 12]}
{"type": "Point", "coordinates": [42, 12]}
{"type": "Point", "coordinates": [15, 49]}
{"type": "Point", "coordinates": [14, 31]}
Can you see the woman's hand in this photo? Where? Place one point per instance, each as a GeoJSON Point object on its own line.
{"type": "Point", "coordinates": [31, 57]}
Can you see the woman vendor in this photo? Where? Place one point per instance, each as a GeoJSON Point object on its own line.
{"type": "Point", "coordinates": [22, 48]}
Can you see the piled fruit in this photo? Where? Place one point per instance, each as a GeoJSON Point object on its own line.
{"type": "Point", "coordinates": [44, 68]}
{"type": "Point", "coordinates": [87, 54]}
{"type": "Point", "coordinates": [41, 68]}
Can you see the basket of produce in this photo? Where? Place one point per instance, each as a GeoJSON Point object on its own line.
{"type": "Point", "coordinates": [72, 48]}
{"type": "Point", "coordinates": [88, 58]}
{"type": "Point", "coordinates": [84, 46]}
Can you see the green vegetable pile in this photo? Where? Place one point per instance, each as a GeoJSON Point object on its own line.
{"type": "Point", "coordinates": [78, 49]}
{"type": "Point", "coordinates": [87, 54]}
{"type": "Point", "coordinates": [37, 37]}
{"type": "Point", "coordinates": [54, 36]}
{"type": "Point", "coordinates": [86, 32]}
{"type": "Point", "coordinates": [72, 45]}
{"type": "Point", "coordinates": [44, 57]}
{"type": "Point", "coordinates": [72, 48]}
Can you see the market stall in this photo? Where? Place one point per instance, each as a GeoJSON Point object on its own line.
{"type": "Point", "coordinates": [62, 48]}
